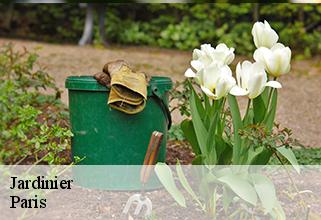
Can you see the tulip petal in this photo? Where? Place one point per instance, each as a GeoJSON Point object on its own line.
{"type": "Point", "coordinates": [225, 70]}
{"type": "Point", "coordinates": [246, 73]}
{"type": "Point", "coordinates": [189, 73]}
{"type": "Point", "coordinates": [255, 30]}
{"type": "Point", "coordinates": [277, 46]}
{"type": "Point", "coordinates": [257, 82]}
{"type": "Point", "coordinates": [271, 36]}
{"type": "Point", "coordinates": [286, 60]}
{"type": "Point", "coordinates": [238, 74]}
{"type": "Point", "coordinates": [224, 85]}
{"type": "Point", "coordinates": [260, 54]}
{"type": "Point", "coordinates": [238, 91]}
{"type": "Point", "coordinates": [208, 92]}
{"type": "Point", "coordinates": [197, 54]}
{"type": "Point", "coordinates": [274, 84]}
{"type": "Point", "coordinates": [266, 57]}
{"type": "Point", "coordinates": [197, 65]}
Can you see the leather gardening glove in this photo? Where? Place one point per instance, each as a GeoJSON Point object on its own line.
{"type": "Point", "coordinates": [102, 78]}
{"type": "Point", "coordinates": [128, 91]}
{"type": "Point", "coordinates": [128, 107]}
{"type": "Point", "coordinates": [109, 68]}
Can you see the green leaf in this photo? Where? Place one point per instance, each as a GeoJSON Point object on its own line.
{"type": "Point", "coordinates": [278, 212]}
{"type": "Point", "coordinates": [211, 139]}
{"type": "Point", "coordinates": [259, 109]}
{"type": "Point", "coordinates": [189, 133]}
{"type": "Point", "coordinates": [241, 187]}
{"type": "Point", "coordinates": [186, 185]}
{"type": "Point", "coordinates": [259, 156]}
{"type": "Point", "coordinates": [198, 102]}
{"type": "Point", "coordinates": [165, 176]}
{"type": "Point", "coordinates": [213, 204]}
{"type": "Point", "coordinates": [207, 110]}
{"type": "Point", "coordinates": [248, 118]}
{"type": "Point", "coordinates": [220, 144]}
{"type": "Point", "coordinates": [265, 190]}
{"type": "Point", "coordinates": [206, 101]}
{"type": "Point", "coordinates": [198, 160]}
{"type": "Point", "coordinates": [269, 120]}
{"type": "Point", "coordinates": [225, 156]}
{"type": "Point", "coordinates": [265, 95]}
{"type": "Point", "coordinates": [228, 196]}
{"type": "Point", "coordinates": [237, 124]}
{"type": "Point", "coordinates": [199, 128]}
{"type": "Point", "coordinates": [289, 155]}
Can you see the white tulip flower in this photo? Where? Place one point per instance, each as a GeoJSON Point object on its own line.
{"type": "Point", "coordinates": [264, 35]}
{"type": "Point", "coordinates": [276, 60]}
{"type": "Point", "coordinates": [251, 80]}
{"type": "Point", "coordinates": [216, 81]}
{"type": "Point", "coordinates": [207, 55]}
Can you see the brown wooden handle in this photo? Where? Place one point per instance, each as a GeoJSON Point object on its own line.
{"type": "Point", "coordinates": [150, 148]}
{"type": "Point", "coordinates": [151, 155]}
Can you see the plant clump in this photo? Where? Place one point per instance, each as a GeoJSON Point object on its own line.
{"type": "Point", "coordinates": [33, 127]}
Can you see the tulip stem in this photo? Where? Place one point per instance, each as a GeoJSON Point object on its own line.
{"type": "Point", "coordinates": [270, 96]}
{"type": "Point", "coordinates": [222, 110]}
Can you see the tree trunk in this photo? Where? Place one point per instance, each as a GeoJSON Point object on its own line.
{"type": "Point", "coordinates": [256, 12]}
{"type": "Point", "coordinates": [89, 26]}
{"type": "Point", "coordinates": [101, 17]}
{"type": "Point", "coordinates": [8, 17]}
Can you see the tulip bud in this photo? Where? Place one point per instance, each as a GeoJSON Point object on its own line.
{"type": "Point", "coordinates": [275, 60]}
{"type": "Point", "coordinates": [264, 35]}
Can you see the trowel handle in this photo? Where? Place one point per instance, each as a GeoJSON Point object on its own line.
{"type": "Point", "coordinates": [151, 155]}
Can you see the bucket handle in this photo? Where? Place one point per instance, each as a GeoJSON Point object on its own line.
{"type": "Point", "coordinates": [163, 106]}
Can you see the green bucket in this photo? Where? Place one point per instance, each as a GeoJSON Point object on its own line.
{"type": "Point", "coordinates": [105, 136]}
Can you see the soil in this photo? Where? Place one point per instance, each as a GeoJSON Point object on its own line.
{"type": "Point", "coordinates": [299, 102]}
{"type": "Point", "coordinates": [179, 150]}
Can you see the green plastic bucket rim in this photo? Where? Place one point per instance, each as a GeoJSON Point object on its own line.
{"type": "Point", "coordinates": [88, 83]}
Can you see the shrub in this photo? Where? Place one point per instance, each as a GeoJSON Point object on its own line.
{"type": "Point", "coordinates": [34, 127]}
{"type": "Point", "coordinates": [180, 26]}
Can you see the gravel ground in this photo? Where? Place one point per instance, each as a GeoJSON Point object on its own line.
{"type": "Point", "coordinates": [300, 98]}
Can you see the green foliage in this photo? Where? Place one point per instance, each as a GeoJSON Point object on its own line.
{"type": "Point", "coordinates": [308, 156]}
{"type": "Point", "coordinates": [181, 26]}
{"type": "Point", "coordinates": [176, 133]}
{"type": "Point", "coordinates": [33, 126]}
{"type": "Point", "coordinates": [222, 136]}
{"type": "Point", "coordinates": [305, 156]}
{"type": "Point", "coordinates": [261, 140]}
{"type": "Point", "coordinates": [181, 36]}
{"type": "Point", "coordinates": [179, 97]}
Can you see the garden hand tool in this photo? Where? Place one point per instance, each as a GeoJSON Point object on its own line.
{"type": "Point", "coordinates": [128, 91]}
{"type": "Point", "coordinates": [150, 159]}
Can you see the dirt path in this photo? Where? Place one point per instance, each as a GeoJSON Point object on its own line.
{"type": "Point", "coordinates": [299, 103]}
